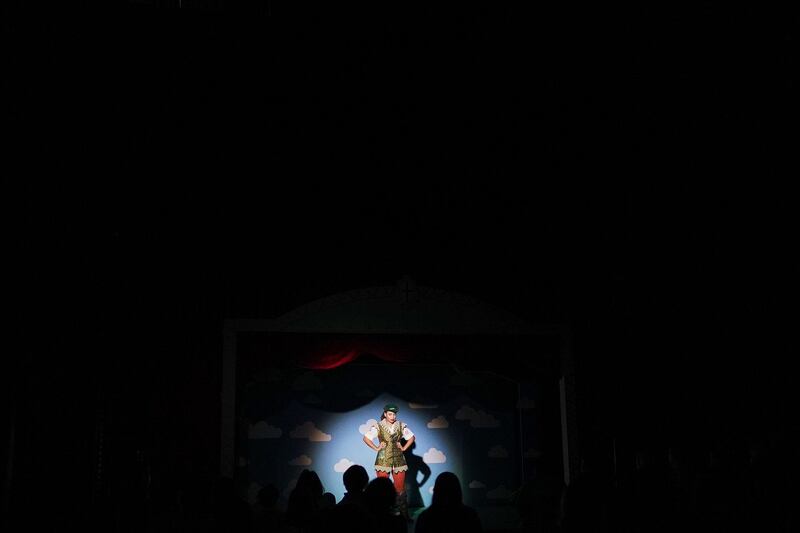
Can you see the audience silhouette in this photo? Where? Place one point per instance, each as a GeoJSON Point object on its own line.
{"type": "Point", "coordinates": [355, 480]}
{"type": "Point", "coordinates": [351, 513]}
{"type": "Point", "coordinates": [732, 486]}
{"type": "Point", "coordinates": [447, 511]}
{"type": "Point", "coordinates": [304, 502]}
{"type": "Point", "coordinates": [266, 516]}
{"type": "Point", "coordinates": [380, 497]}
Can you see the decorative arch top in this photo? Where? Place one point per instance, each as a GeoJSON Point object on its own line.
{"type": "Point", "coordinates": [403, 308]}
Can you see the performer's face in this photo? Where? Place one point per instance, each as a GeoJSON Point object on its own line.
{"type": "Point", "coordinates": [390, 416]}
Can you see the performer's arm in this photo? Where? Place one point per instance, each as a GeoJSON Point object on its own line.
{"type": "Point", "coordinates": [368, 439]}
{"type": "Point", "coordinates": [408, 435]}
{"type": "Point", "coordinates": [371, 444]}
{"type": "Point", "coordinates": [409, 442]}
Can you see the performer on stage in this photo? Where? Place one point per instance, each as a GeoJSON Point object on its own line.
{"type": "Point", "coordinates": [390, 458]}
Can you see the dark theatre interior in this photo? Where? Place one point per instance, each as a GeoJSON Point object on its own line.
{"type": "Point", "coordinates": [538, 264]}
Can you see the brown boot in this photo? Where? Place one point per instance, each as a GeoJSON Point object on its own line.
{"type": "Point", "coordinates": [402, 506]}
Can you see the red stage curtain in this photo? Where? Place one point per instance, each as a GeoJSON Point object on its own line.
{"type": "Point", "coordinates": [333, 353]}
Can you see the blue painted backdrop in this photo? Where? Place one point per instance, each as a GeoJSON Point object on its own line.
{"type": "Point", "coordinates": [289, 422]}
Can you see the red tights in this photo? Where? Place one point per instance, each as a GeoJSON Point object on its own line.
{"type": "Point", "coordinates": [399, 479]}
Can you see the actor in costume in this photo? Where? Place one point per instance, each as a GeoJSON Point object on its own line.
{"type": "Point", "coordinates": [390, 459]}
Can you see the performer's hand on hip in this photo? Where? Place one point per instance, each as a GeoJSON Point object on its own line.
{"type": "Point", "coordinates": [382, 446]}
{"type": "Point", "coordinates": [399, 445]}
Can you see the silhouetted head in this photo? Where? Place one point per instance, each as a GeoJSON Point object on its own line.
{"type": "Point", "coordinates": [447, 490]}
{"type": "Point", "coordinates": [327, 501]}
{"type": "Point", "coordinates": [309, 480]}
{"type": "Point", "coordinates": [380, 495]}
{"type": "Point", "coordinates": [355, 478]}
{"type": "Point", "coordinates": [268, 495]}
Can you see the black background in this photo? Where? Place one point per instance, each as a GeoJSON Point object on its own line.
{"type": "Point", "coordinates": [624, 173]}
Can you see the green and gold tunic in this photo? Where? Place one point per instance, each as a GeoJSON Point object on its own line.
{"type": "Point", "coordinates": [390, 459]}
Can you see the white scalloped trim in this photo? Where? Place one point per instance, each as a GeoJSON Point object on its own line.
{"type": "Point", "coordinates": [391, 469]}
